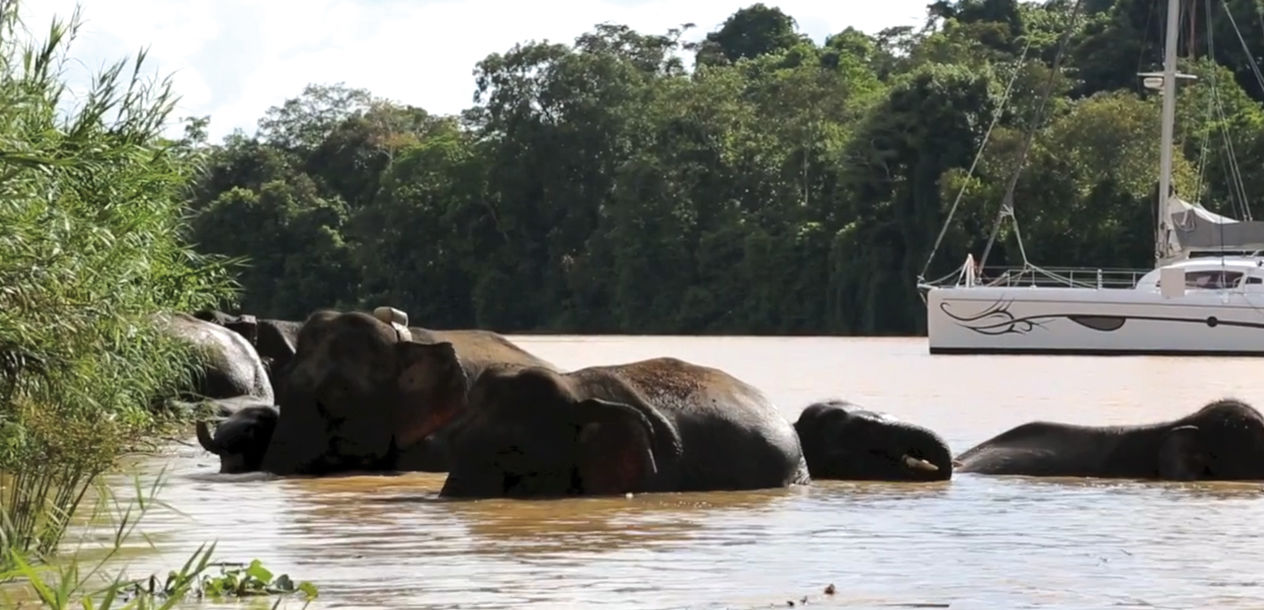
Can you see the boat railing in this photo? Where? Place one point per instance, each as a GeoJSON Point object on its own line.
{"type": "Point", "coordinates": [1070, 277]}
{"type": "Point", "coordinates": [969, 276]}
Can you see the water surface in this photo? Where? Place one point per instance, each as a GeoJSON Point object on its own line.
{"type": "Point", "coordinates": [973, 542]}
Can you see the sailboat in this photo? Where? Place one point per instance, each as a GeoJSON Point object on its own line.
{"type": "Point", "coordinates": [1204, 295]}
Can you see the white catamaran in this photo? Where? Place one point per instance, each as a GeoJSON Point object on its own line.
{"type": "Point", "coordinates": [1204, 296]}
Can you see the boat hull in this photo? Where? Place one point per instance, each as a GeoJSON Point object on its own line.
{"type": "Point", "coordinates": [1046, 320]}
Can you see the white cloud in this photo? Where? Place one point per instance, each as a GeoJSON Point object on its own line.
{"type": "Point", "coordinates": [232, 59]}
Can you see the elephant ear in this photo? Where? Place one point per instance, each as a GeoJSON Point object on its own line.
{"type": "Point", "coordinates": [432, 386]}
{"type": "Point", "coordinates": [312, 331]}
{"type": "Point", "coordinates": [298, 443]}
{"type": "Point", "coordinates": [275, 344]}
{"type": "Point", "coordinates": [1182, 454]}
{"type": "Point", "coordinates": [247, 326]}
{"type": "Point", "coordinates": [207, 315]}
{"type": "Point", "coordinates": [615, 452]}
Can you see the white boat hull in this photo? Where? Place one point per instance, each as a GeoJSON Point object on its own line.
{"type": "Point", "coordinates": [1051, 320]}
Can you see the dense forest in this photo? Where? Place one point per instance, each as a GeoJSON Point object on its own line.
{"type": "Point", "coordinates": [753, 182]}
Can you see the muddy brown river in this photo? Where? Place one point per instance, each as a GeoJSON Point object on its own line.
{"type": "Point", "coordinates": [973, 542]}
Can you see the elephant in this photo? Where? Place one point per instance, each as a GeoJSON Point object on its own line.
{"type": "Point", "coordinates": [843, 441]}
{"type": "Point", "coordinates": [233, 380]}
{"type": "Point", "coordinates": [241, 440]}
{"type": "Point", "coordinates": [362, 393]}
{"type": "Point", "coordinates": [656, 425]}
{"type": "Point", "coordinates": [231, 368]}
{"type": "Point", "coordinates": [274, 340]}
{"type": "Point", "coordinates": [1224, 440]}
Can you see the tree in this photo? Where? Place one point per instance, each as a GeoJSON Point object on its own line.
{"type": "Point", "coordinates": [420, 239]}
{"type": "Point", "coordinates": [750, 32]}
{"type": "Point", "coordinates": [301, 123]}
{"type": "Point", "coordinates": [931, 121]}
{"type": "Point", "coordinates": [297, 259]}
{"type": "Point", "coordinates": [351, 157]}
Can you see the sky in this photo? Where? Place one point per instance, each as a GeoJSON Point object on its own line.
{"type": "Point", "coordinates": [233, 59]}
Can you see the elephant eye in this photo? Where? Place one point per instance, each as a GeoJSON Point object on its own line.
{"type": "Point", "coordinates": [509, 455]}
{"type": "Point", "coordinates": [340, 388]}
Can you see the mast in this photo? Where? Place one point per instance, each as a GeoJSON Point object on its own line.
{"type": "Point", "coordinates": [1169, 117]}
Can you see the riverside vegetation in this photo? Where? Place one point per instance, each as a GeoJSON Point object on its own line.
{"type": "Point", "coordinates": [773, 185]}
{"type": "Point", "coordinates": [776, 186]}
{"type": "Point", "coordinates": [92, 205]}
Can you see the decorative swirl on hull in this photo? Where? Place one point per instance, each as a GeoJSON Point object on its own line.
{"type": "Point", "coordinates": [996, 320]}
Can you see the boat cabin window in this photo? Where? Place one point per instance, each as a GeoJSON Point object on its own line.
{"type": "Point", "coordinates": [1212, 279]}
{"type": "Point", "coordinates": [1215, 279]}
{"type": "Point", "coordinates": [1254, 280]}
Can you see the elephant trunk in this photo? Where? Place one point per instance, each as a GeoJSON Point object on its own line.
{"type": "Point", "coordinates": [300, 437]}
{"type": "Point", "coordinates": [924, 454]}
{"type": "Point", "coordinates": [204, 438]}
{"type": "Point", "coordinates": [469, 485]}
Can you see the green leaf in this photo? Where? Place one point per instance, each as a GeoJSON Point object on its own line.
{"type": "Point", "coordinates": [258, 572]}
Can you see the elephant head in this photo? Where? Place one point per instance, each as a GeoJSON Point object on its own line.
{"type": "Point", "coordinates": [241, 440]}
{"type": "Point", "coordinates": [1224, 441]}
{"type": "Point", "coordinates": [274, 340]}
{"type": "Point", "coordinates": [358, 390]}
{"type": "Point", "coordinates": [529, 433]}
{"type": "Point", "coordinates": [245, 325]}
{"type": "Point", "coordinates": [841, 441]}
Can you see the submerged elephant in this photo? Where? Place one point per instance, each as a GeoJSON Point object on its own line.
{"type": "Point", "coordinates": [842, 441]}
{"type": "Point", "coordinates": [273, 340]}
{"type": "Point", "coordinates": [654, 425]}
{"type": "Point", "coordinates": [241, 440]}
{"type": "Point", "coordinates": [370, 393]}
{"type": "Point", "coordinates": [231, 366]}
{"type": "Point", "coordinates": [1224, 440]}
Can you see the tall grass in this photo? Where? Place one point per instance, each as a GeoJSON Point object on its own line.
{"type": "Point", "coordinates": [70, 583]}
{"type": "Point", "coordinates": [91, 247]}
{"type": "Point", "coordinates": [85, 584]}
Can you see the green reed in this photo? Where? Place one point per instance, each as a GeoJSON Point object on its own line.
{"type": "Point", "coordinates": [77, 583]}
{"type": "Point", "coordinates": [92, 205]}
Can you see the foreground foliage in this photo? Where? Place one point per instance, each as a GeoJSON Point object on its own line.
{"type": "Point", "coordinates": [91, 205]}
{"type": "Point", "coordinates": [776, 186]}
{"type": "Point", "coordinates": [72, 583]}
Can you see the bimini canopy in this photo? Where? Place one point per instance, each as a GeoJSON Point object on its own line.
{"type": "Point", "coordinates": [1196, 228]}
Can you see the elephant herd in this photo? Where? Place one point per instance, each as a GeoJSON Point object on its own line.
{"type": "Point", "coordinates": [354, 392]}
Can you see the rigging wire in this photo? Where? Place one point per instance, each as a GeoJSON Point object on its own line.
{"type": "Point", "coordinates": [1234, 168]}
{"type": "Point", "coordinates": [1007, 203]}
{"type": "Point", "coordinates": [1236, 187]}
{"type": "Point", "coordinates": [996, 117]}
{"type": "Point", "coordinates": [1202, 156]}
{"type": "Point", "coordinates": [1246, 49]}
{"type": "Point", "coordinates": [1206, 143]}
{"type": "Point", "coordinates": [1141, 48]}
